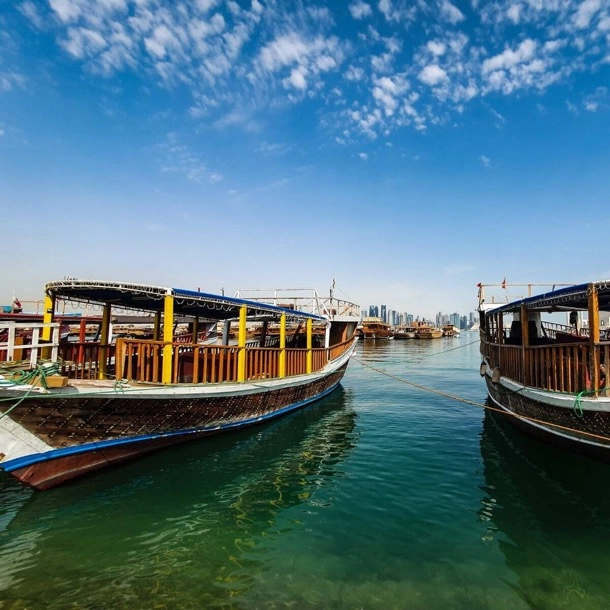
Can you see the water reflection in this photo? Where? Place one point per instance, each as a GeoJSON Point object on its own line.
{"type": "Point", "coordinates": [549, 511]}
{"type": "Point", "coordinates": [195, 523]}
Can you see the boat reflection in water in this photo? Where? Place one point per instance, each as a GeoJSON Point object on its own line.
{"type": "Point", "coordinates": [549, 512]}
{"type": "Point", "coordinates": [196, 526]}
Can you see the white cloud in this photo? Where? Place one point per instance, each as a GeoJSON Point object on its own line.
{"type": "Point", "coordinates": [436, 48]}
{"type": "Point", "coordinates": [514, 12]}
{"type": "Point", "coordinates": [510, 58]}
{"type": "Point", "coordinates": [354, 73]}
{"type": "Point", "coordinates": [67, 10]}
{"type": "Point", "coordinates": [360, 9]}
{"type": "Point", "coordinates": [178, 159]}
{"type": "Point", "coordinates": [451, 13]}
{"type": "Point", "coordinates": [485, 161]}
{"type": "Point", "coordinates": [297, 78]}
{"type": "Point", "coordinates": [585, 13]}
{"type": "Point", "coordinates": [10, 80]}
{"type": "Point", "coordinates": [432, 75]}
{"type": "Point", "coordinates": [363, 156]}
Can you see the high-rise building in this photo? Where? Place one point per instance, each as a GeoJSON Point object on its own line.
{"type": "Point", "coordinates": [384, 315]}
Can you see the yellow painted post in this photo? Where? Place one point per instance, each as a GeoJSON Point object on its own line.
{"type": "Point", "coordinates": [168, 336]}
{"type": "Point", "coordinates": [47, 318]}
{"type": "Point", "coordinates": [241, 343]}
{"type": "Point", "coordinates": [104, 340]}
{"type": "Point", "coordinates": [309, 368]}
{"type": "Point", "coordinates": [282, 362]}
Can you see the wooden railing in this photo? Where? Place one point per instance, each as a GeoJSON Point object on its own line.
{"type": "Point", "coordinates": [561, 367]}
{"type": "Point", "coordinates": [142, 360]}
{"type": "Point", "coordinates": [81, 360]}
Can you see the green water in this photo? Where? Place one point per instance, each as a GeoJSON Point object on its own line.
{"type": "Point", "coordinates": [380, 496]}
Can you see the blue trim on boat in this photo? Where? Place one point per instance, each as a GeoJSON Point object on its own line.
{"type": "Point", "coordinates": [28, 460]}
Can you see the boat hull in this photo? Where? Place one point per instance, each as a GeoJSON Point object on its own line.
{"type": "Point", "coordinates": [78, 434]}
{"type": "Point", "coordinates": [584, 429]}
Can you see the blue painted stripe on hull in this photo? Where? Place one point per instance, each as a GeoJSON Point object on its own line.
{"type": "Point", "coordinates": [28, 460]}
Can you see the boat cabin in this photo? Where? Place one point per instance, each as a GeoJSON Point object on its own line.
{"type": "Point", "coordinates": [523, 344]}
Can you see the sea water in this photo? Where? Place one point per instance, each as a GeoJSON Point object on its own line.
{"type": "Point", "coordinates": [383, 495]}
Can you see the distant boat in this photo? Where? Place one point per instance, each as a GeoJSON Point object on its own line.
{"type": "Point", "coordinates": [449, 330]}
{"type": "Point", "coordinates": [374, 328]}
{"type": "Point", "coordinates": [550, 378]}
{"type": "Point", "coordinates": [67, 408]}
{"type": "Point", "coordinates": [404, 331]}
{"type": "Point", "coordinates": [426, 331]}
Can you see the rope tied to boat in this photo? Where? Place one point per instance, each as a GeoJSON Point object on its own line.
{"type": "Point", "coordinates": [486, 406]}
{"type": "Point", "coordinates": [12, 376]}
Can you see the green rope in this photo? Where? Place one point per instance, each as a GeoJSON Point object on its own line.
{"type": "Point", "coordinates": [577, 406]}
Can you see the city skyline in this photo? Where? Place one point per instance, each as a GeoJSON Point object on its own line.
{"type": "Point", "coordinates": [399, 318]}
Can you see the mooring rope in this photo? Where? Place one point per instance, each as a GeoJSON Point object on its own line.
{"type": "Point", "coordinates": [481, 405]}
{"type": "Point", "coordinates": [446, 351]}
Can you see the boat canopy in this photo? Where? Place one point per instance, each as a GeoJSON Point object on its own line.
{"type": "Point", "coordinates": [564, 299]}
{"type": "Point", "coordinates": [141, 297]}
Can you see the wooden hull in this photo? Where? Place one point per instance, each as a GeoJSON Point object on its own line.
{"type": "Point", "coordinates": [584, 429]}
{"type": "Point", "coordinates": [382, 335]}
{"type": "Point", "coordinates": [83, 433]}
{"type": "Point", "coordinates": [429, 334]}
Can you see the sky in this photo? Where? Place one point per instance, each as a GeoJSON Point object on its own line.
{"type": "Point", "coordinates": [406, 150]}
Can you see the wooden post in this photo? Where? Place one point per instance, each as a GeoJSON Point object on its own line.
{"type": "Point", "coordinates": [82, 337]}
{"type": "Point", "coordinates": [168, 337]}
{"type": "Point", "coordinates": [282, 361]}
{"type": "Point", "coordinates": [241, 343]}
{"type": "Point", "coordinates": [226, 332]}
{"type": "Point", "coordinates": [500, 329]}
{"type": "Point", "coordinates": [102, 362]}
{"type": "Point", "coordinates": [195, 335]}
{"type": "Point", "coordinates": [594, 360]}
{"type": "Point", "coordinates": [157, 327]}
{"type": "Point", "coordinates": [525, 341]}
{"type": "Point", "coordinates": [309, 368]}
{"type": "Point", "coordinates": [263, 338]}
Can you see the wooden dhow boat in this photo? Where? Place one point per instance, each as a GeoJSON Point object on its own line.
{"type": "Point", "coordinates": [423, 330]}
{"type": "Point", "coordinates": [550, 376]}
{"type": "Point", "coordinates": [404, 331]}
{"type": "Point", "coordinates": [373, 327]}
{"type": "Point", "coordinates": [449, 330]}
{"type": "Point", "coordinates": [70, 408]}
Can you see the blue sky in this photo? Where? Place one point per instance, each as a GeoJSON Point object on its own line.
{"type": "Point", "coordinates": [408, 149]}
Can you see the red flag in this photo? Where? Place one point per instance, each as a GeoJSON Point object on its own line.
{"type": "Point", "coordinates": [504, 283]}
{"type": "Point", "coordinates": [16, 305]}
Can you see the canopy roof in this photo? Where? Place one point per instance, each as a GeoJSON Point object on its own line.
{"type": "Point", "coordinates": [141, 297]}
{"type": "Point", "coordinates": [564, 299]}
